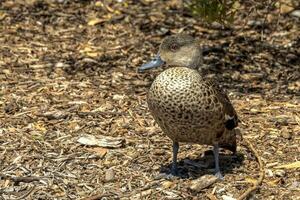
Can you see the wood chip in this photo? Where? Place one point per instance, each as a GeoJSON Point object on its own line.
{"type": "Point", "coordinates": [293, 165]}
{"type": "Point", "coordinates": [203, 182]}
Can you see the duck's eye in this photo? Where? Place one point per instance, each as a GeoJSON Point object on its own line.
{"type": "Point", "coordinates": [174, 47]}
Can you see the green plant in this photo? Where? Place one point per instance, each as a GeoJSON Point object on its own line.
{"type": "Point", "coordinates": [222, 11]}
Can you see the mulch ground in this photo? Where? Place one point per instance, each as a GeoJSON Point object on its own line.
{"type": "Point", "coordinates": [69, 68]}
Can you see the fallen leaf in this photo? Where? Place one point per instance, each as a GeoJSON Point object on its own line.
{"type": "Point", "coordinates": [102, 141]}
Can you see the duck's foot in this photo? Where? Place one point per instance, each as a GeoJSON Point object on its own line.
{"type": "Point", "coordinates": [219, 176]}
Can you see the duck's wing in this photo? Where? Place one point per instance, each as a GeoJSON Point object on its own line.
{"type": "Point", "coordinates": [231, 117]}
{"type": "Point", "coordinates": [228, 139]}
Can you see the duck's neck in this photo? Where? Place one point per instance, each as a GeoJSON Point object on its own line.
{"type": "Point", "coordinates": [197, 60]}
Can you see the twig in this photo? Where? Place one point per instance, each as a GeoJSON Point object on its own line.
{"type": "Point", "coordinates": [261, 172]}
{"type": "Point", "coordinates": [26, 194]}
{"type": "Point", "coordinates": [22, 179]}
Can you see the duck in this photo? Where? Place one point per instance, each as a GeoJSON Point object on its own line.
{"type": "Point", "coordinates": [187, 105]}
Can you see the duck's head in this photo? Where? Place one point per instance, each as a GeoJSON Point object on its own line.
{"type": "Point", "coordinates": [177, 50]}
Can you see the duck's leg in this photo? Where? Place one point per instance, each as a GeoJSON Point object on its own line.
{"type": "Point", "coordinates": [217, 167]}
{"type": "Point", "coordinates": [174, 169]}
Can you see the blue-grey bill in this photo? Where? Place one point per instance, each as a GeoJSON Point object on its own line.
{"type": "Point", "coordinates": [155, 62]}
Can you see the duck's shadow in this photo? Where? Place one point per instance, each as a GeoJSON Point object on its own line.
{"type": "Point", "coordinates": [203, 165]}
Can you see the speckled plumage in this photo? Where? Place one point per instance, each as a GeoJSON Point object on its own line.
{"type": "Point", "coordinates": [188, 106]}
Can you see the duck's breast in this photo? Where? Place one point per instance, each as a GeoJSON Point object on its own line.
{"type": "Point", "coordinates": [185, 106]}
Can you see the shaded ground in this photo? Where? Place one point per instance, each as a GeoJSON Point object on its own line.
{"type": "Point", "coordinates": [77, 61]}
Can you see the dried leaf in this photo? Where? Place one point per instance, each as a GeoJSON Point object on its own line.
{"type": "Point", "coordinates": [102, 141]}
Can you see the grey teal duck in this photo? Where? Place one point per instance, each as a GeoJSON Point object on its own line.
{"type": "Point", "coordinates": [188, 106]}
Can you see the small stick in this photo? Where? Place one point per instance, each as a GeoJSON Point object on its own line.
{"type": "Point", "coordinates": [26, 194]}
{"type": "Point", "coordinates": [261, 172]}
{"type": "Point", "coordinates": [22, 179]}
